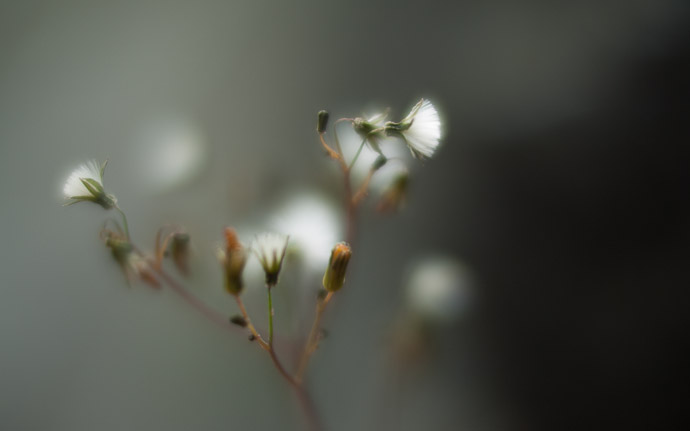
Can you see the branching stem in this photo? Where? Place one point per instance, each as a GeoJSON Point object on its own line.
{"type": "Point", "coordinates": [313, 338]}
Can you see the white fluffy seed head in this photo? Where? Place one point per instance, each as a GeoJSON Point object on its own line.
{"type": "Point", "coordinates": [424, 132]}
{"type": "Point", "coordinates": [75, 187]}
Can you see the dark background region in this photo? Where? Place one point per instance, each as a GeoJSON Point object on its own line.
{"type": "Point", "coordinates": [561, 182]}
{"type": "Point", "coordinates": [587, 255]}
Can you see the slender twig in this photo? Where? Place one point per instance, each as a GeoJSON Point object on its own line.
{"type": "Point", "coordinates": [363, 188]}
{"type": "Point", "coordinates": [305, 400]}
{"type": "Point", "coordinates": [264, 345]}
{"type": "Point", "coordinates": [350, 210]}
{"type": "Point", "coordinates": [208, 312]}
{"type": "Point", "coordinates": [313, 338]}
{"type": "Point", "coordinates": [359, 151]}
{"type": "Point", "coordinates": [335, 155]}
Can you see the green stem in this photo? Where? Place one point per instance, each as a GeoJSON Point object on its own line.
{"type": "Point", "coordinates": [270, 318]}
{"type": "Point", "coordinates": [124, 220]}
{"type": "Point", "coordinates": [352, 163]}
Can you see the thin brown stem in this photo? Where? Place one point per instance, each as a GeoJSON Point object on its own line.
{"type": "Point", "coordinates": [264, 345]}
{"type": "Point", "coordinates": [306, 403]}
{"type": "Point", "coordinates": [313, 338]}
{"type": "Point", "coordinates": [331, 152]}
{"type": "Point", "coordinates": [363, 189]}
{"type": "Point", "coordinates": [305, 400]}
{"type": "Point", "coordinates": [350, 209]}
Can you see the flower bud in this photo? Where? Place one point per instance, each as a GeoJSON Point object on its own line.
{"type": "Point", "coordinates": [141, 269]}
{"type": "Point", "coordinates": [239, 321]}
{"type": "Point", "coordinates": [133, 265]}
{"type": "Point", "coordinates": [322, 122]}
{"type": "Point", "coordinates": [180, 251]}
{"type": "Point", "coordinates": [233, 260]}
{"type": "Point", "coordinates": [119, 247]}
{"type": "Point", "coordinates": [334, 278]}
{"type": "Point", "coordinates": [380, 161]}
{"type": "Point", "coordinates": [270, 249]}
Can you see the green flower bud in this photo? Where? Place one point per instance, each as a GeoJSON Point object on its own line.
{"type": "Point", "coordinates": [233, 259]}
{"type": "Point", "coordinates": [334, 278]}
{"type": "Point", "coordinates": [322, 121]}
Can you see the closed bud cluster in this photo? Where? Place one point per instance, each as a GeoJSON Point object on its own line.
{"type": "Point", "coordinates": [334, 278]}
{"type": "Point", "coordinates": [233, 259]}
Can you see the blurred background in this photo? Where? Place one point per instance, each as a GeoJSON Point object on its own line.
{"type": "Point", "coordinates": [555, 209]}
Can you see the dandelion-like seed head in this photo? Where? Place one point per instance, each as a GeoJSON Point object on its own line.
{"type": "Point", "coordinates": [86, 184]}
{"type": "Point", "coordinates": [270, 250]}
{"type": "Point", "coordinates": [421, 129]}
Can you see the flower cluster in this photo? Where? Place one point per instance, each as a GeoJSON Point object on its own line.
{"type": "Point", "coordinates": [419, 130]}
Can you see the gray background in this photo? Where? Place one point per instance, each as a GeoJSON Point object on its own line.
{"type": "Point", "coordinates": [558, 182]}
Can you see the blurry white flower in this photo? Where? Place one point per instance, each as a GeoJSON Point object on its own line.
{"type": "Point", "coordinates": [86, 184]}
{"type": "Point", "coordinates": [166, 153]}
{"type": "Point", "coordinates": [314, 225]}
{"type": "Point", "coordinates": [439, 288]}
{"type": "Point", "coordinates": [421, 129]}
{"type": "Point", "coordinates": [270, 250]}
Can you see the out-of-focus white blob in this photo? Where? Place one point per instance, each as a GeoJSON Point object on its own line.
{"type": "Point", "coordinates": [388, 173]}
{"type": "Point", "coordinates": [439, 288]}
{"type": "Point", "coordinates": [169, 153]}
{"type": "Point", "coordinates": [395, 153]}
{"type": "Point", "coordinates": [314, 227]}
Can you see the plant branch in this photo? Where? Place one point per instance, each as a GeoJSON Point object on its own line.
{"type": "Point", "coordinates": [313, 338]}
{"type": "Point", "coordinates": [264, 345]}
{"type": "Point", "coordinates": [305, 400]}
{"type": "Point", "coordinates": [208, 312]}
